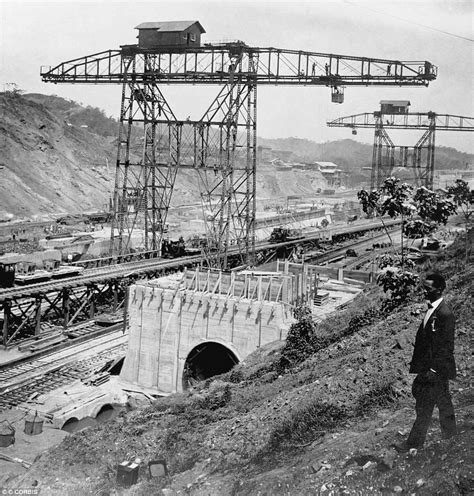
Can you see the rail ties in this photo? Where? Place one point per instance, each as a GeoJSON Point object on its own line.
{"type": "Point", "coordinates": [53, 379]}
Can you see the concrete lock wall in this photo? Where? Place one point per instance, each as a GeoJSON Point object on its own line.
{"type": "Point", "coordinates": [166, 324]}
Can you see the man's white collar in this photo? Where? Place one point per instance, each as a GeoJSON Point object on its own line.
{"type": "Point", "coordinates": [436, 303]}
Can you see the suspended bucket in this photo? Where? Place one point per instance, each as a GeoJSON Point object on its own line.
{"type": "Point", "coordinates": [7, 434]}
{"type": "Point", "coordinates": [33, 425]}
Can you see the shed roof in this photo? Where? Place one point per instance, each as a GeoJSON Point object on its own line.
{"type": "Point", "coordinates": [169, 26]}
{"type": "Point", "coordinates": [397, 103]}
{"type": "Point", "coordinates": [330, 165]}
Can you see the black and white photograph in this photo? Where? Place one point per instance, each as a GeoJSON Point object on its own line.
{"type": "Point", "coordinates": [236, 247]}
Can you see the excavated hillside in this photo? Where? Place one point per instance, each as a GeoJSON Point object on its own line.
{"type": "Point", "coordinates": [57, 156]}
{"type": "Point", "coordinates": [322, 427]}
{"type": "Point", "coordinates": [47, 165]}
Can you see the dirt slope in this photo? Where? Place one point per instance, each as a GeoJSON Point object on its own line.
{"type": "Point", "coordinates": [324, 427]}
{"type": "Point", "coordinates": [57, 156]}
{"type": "Point", "coordinates": [48, 166]}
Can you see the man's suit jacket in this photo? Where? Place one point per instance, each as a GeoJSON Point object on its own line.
{"type": "Point", "coordinates": [434, 344]}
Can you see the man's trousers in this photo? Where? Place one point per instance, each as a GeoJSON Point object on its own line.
{"type": "Point", "coordinates": [428, 394]}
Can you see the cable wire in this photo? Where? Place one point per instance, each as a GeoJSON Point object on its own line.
{"type": "Point", "coordinates": [410, 22]}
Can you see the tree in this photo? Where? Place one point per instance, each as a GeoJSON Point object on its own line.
{"type": "Point", "coordinates": [463, 197]}
{"type": "Point", "coordinates": [421, 211]}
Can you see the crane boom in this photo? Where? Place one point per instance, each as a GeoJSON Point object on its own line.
{"type": "Point", "coordinates": [411, 120]}
{"type": "Point", "coordinates": [212, 64]}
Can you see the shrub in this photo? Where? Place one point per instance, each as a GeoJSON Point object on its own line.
{"type": "Point", "coordinates": [236, 376]}
{"type": "Point", "coordinates": [365, 318]}
{"type": "Point", "coordinates": [379, 396]}
{"type": "Point", "coordinates": [217, 396]}
{"type": "Point", "coordinates": [299, 343]}
{"type": "Point", "coordinates": [307, 424]}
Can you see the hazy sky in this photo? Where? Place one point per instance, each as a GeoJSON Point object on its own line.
{"type": "Point", "coordinates": [35, 33]}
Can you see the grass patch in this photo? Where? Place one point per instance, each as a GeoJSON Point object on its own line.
{"type": "Point", "coordinates": [306, 424]}
{"type": "Point", "coordinates": [380, 396]}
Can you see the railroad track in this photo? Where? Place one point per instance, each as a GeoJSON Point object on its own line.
{"type": "Point", "coordinates": [97, 275]}
{"type": "Point", "coordinates": [28, 307]}
{"type": "Point", "coordinates": [340, 252]}
{"type": "Point", "coordinates": [108, 272]}
{"type": "Point", "coordinates": [37, 376]}
{"type": "Point", "coordinates": [34, 376]}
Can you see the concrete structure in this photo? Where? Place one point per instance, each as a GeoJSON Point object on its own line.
{"type": "Point", "coordinates": [191, 326]}
{"type": "Point", "coordinates": [198, 324]}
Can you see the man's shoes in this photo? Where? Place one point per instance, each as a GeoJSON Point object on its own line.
{"type": "Point", "coordinates": [404, 447]}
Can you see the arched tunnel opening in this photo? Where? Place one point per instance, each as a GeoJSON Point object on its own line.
{"type": "Point", "coordinates": [207, 360]}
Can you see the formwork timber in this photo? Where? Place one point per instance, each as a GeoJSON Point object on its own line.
{"type": "Point", "coordinates": [338, 273]}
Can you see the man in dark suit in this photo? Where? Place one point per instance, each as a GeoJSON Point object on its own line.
{"type": "Point", "coordinates": [433, 362]}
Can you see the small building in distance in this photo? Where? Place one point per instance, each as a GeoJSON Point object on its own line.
{"type": "Point", "coordinates": [171, 33]}
{"type": "Point", "coordinates": [394, 106]}
{"type": "Point", "coordinates": [330, 172]}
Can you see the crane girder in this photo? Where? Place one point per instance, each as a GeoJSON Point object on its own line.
{"type": "Point", "coordinates": [411, 120]}
{"type": "Point", "coordinates": [212, 64]}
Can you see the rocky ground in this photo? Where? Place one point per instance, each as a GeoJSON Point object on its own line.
{"type": "Point", "coordinates": [324, 426]}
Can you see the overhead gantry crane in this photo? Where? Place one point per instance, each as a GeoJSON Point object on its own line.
{"type": "Point", "coordinates": [221, 146]}
{"type": "Point", "coordinates": [386, 156]}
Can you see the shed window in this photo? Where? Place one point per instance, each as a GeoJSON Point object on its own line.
{"type": "Point", "coordinates": [185, 36]}
{"type": "Point", "coordinates": [193, 37]}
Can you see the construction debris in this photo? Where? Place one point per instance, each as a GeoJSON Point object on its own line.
{"type": "Point", "coordinates": [96, 379]}
{"type": "Point", "coordinates": [14, 459]}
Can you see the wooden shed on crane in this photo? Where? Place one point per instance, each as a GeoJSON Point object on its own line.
{"type": "Point", "coordinates": [171, 33]}
{"type": "Point", "coordinates": [394, 106]}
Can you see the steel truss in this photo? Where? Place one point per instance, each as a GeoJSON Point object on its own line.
{"type": "Point", "coordinates": [209, 64]}
{"type": "Point", "coordinates": [28, 312]}
{"type": "Point", "coordinates": [227, 176]}
{"type": "Point", "coordinates": [28, 316]}
{"type": "Point", "coordinates": [221, 146]}
{"type": "Point", "coordinates": [144, 178]}
{"type": "Point", "coordinates": [420, 157]}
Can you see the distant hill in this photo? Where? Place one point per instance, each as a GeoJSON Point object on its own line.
{"type": "Point", "coordinates": [57, 156]}
{"type": "Point", "coordinates": [352, 155]}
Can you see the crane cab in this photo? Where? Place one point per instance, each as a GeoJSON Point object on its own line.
{"type": "Point", "coordinates": [394, 106]}
{"type": "Point", "coordinates": [337, 94]}
{"type": "Point", "coordinates": [169, 34]}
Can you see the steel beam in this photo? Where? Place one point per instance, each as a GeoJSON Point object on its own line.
{"type": "Point", "coordinates": [209, 64]}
